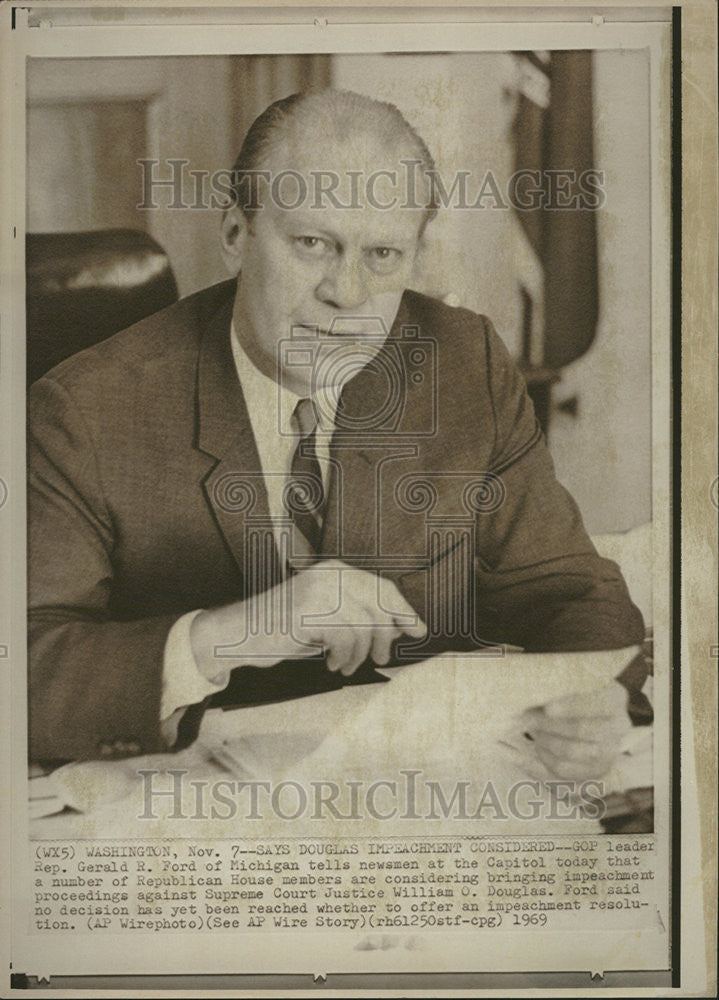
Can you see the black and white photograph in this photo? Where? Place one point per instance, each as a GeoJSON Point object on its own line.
{"type": "Point", "coordinates": [349, 358]}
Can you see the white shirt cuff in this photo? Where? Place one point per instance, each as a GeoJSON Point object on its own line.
{"type": "Point", "coordinates": [182, 682]}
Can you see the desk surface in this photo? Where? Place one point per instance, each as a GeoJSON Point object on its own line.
{"type": "Point", "coordinates": [450, 720]}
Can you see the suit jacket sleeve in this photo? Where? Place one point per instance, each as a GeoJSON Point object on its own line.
{"type": "Point", "coordinates": [540, 578]}
{"type": "Point", "coordinates": [94, 682]}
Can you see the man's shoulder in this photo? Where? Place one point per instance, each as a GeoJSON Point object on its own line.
{"type": "Point", "coordinates": [166, 340]}
{"type": "Point", "coordinates": [477, 382]}
{"type": "Point", "coordinates": [435, 317]}
{"type": "Point", "coordinates": [468, 346]}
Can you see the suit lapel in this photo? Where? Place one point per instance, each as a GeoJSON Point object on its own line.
{"type": "Point", "coordinates": [367, 460]}
{"type": "Point", "coordinates": [234, 487]}
{"type": "Point", "coordinates": [368, 455]}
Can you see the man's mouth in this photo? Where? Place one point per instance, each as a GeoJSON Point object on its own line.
{"type": "Point", "coordinates": [336, 330]}
{"type": "Point", "coordinates": [314, 329]}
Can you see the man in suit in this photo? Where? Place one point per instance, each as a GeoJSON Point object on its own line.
{"type": "Point", "coordinates": [294, 475]}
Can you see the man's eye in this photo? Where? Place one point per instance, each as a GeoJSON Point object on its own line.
{"type": "Point", "coordinates": [311, 244]}
{"type": "Point", "coordinates": [383, 258]}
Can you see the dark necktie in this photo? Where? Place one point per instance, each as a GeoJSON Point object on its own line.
{"type": "Point", "coordinates": [305, 494]}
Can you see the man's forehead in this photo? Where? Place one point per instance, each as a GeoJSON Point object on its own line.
{"type": "Point", "coordinates": [314, 150]}
{"type": "Point", "coordinates": [374, 185]}
{"type": "Point", "coordinates": [365, 224]}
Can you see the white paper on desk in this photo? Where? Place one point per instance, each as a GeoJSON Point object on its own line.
{"type": "Point", "coordinates": [434, 713]}
{"type": "Point", "coordinates": [88, 786]}
{"type": "Point", "coordinates": [266, 740]}
{"type": "Point", "coordinates": [42, 796]}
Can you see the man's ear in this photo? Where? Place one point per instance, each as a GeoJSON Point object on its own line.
{"type": "Point", "coordinates": [233, 235]}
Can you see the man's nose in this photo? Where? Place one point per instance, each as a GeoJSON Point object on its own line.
{"type": "Point", "coordinates": [345, 286]}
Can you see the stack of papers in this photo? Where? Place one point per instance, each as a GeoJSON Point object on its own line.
{"type": "Point", "coordinates": [446, 712]}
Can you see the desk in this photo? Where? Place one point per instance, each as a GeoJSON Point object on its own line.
{"type": "Point", "coordinates": [451, 721]}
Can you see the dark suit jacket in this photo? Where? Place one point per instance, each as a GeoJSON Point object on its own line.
{"type": "Point", "coordinates": [146, 499]}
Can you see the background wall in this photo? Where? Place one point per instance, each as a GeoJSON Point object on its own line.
{"type": "Point", "coordinates": [463, 104]}
{"type": "Point", "coordinates": [604, 455]}
{"type": "Point", "coordinates": [90, 121]}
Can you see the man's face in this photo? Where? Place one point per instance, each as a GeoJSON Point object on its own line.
{"type": "Point", "coordinates": [321, 284]}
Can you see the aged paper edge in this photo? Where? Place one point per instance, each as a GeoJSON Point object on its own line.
{"type": "Point", "coordinates": [699, 561]}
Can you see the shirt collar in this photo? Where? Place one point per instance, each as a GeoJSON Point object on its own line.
{"type": "Point", "coordinates": [264, 395]}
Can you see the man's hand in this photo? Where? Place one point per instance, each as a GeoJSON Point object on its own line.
{"type": "Point", "coordinates": [578, 737]}
{"type": "Point", "coordinates": [348, 613]}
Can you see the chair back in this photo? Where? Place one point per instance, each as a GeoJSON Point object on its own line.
{"type": "Point", "coordinates": [83, 287]}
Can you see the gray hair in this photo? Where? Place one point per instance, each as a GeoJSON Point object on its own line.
{"type": "Point", "coordinates": [348, 112]}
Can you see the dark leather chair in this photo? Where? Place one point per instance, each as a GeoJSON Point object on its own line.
{"type": "Point", "coordinates": [83, 287]}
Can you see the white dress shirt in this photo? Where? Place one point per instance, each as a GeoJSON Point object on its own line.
{"type": "Point", "coordinates": [271, 407]}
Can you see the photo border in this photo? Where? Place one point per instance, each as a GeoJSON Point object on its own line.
{"type": "Point", "coordinates": [680, 376]}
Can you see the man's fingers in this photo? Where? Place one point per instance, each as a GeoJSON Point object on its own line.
{"type": "Point", "coordinates": [340, 644]}
{"type": "Point", "coordinates": [587, 736]}
{"type": "Point", "coordinates": [360, 650]}
{"type": "Point", "coordinates": [392, 602]}
{"type": "Point", "coordinates": [417, 630]}
{"type": "Point", "coordinates": [573, 769]}
{"type": "Point", "coordinates": [367, 614]}
{"type": "Point", "coordinates": [382, 639]}
{"type": "Point", "coordinates": [577, 737]}
{"type": "Point", "coordinates": [569, 750]}
{"type": "Point", "coordinates": [348, 648]}
{"type": "Point", "coordinates": [607, 702]}
{"type": "Point", "coordinates": [586, 730]}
